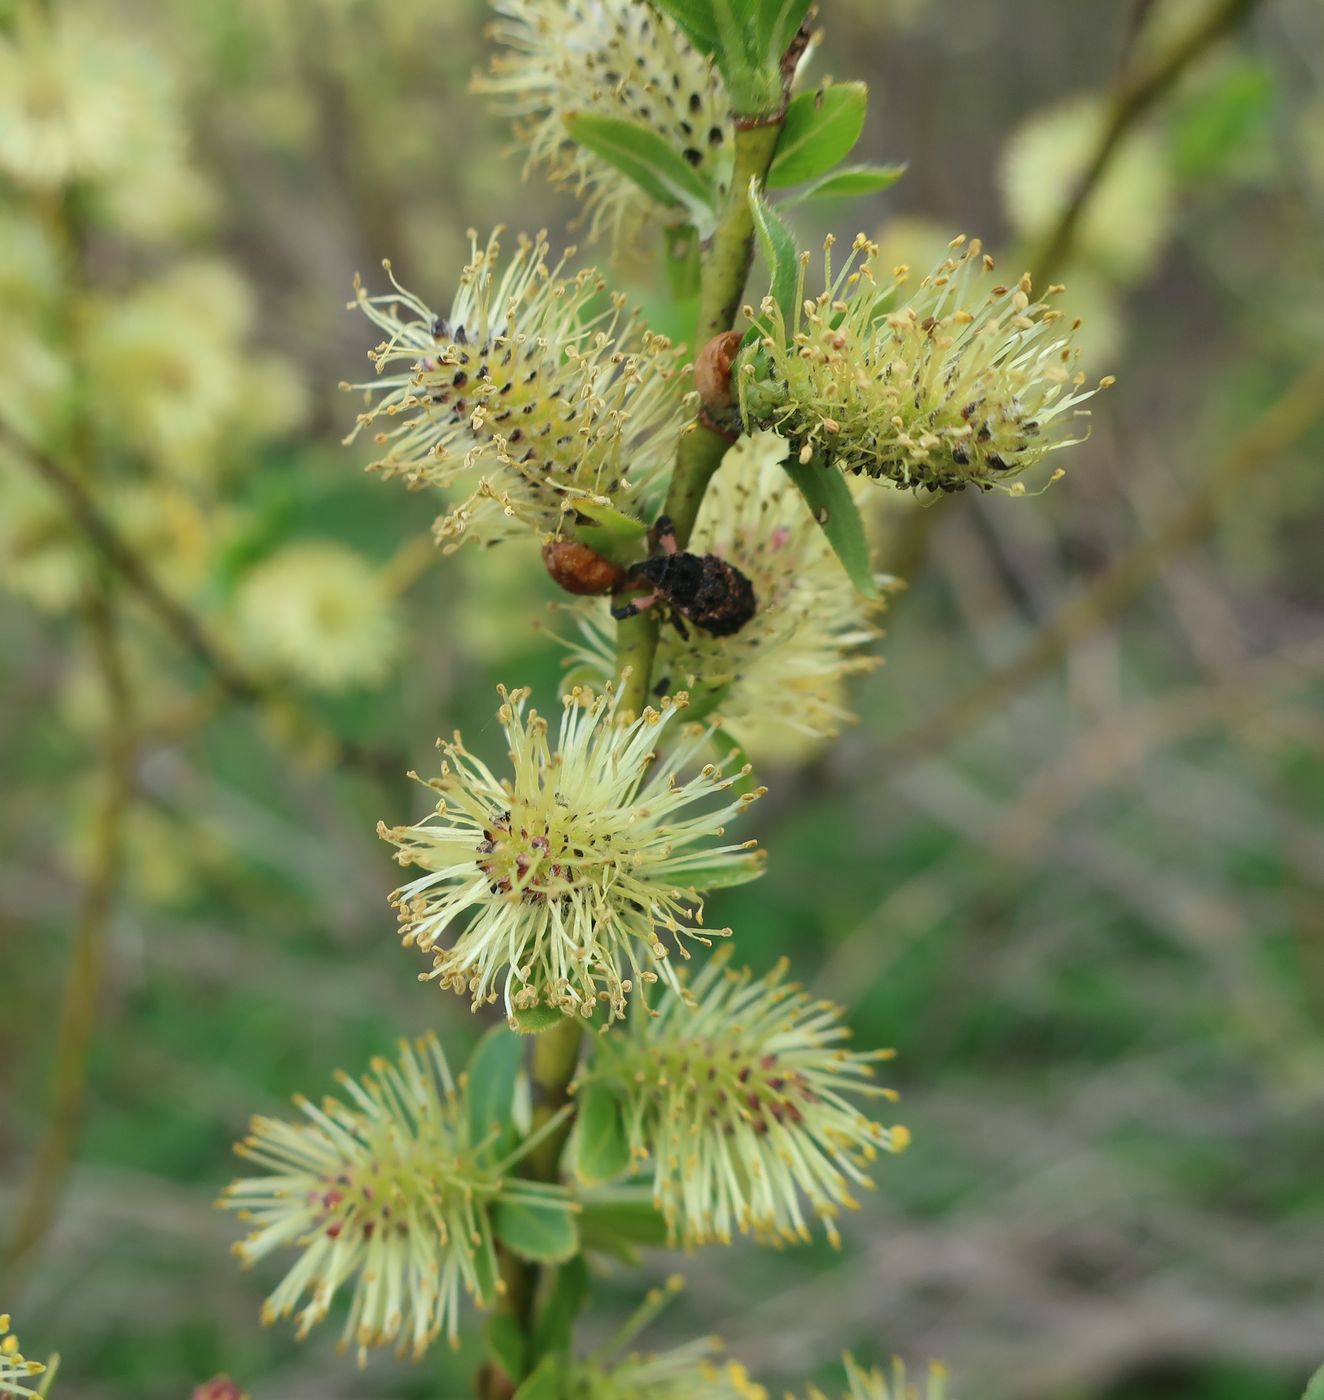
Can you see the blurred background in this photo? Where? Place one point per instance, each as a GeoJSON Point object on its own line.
{"type": "Point", "coordinates": [1070, 862]}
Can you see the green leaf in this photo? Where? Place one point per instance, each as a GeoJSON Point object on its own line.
{"type": "Point", "coordinates": [492, 1073]}
{"type": "Point", "coordinates": [503, 1340]}
{"type": "Point", "coordinates": [831, 504]}
{"type": "Point", "coordinates": [1315, 1390]}
{"type": "Point", "coordinates": [821, 129]}
{"type": "Point", "coordinates": [536, 1019]}
{"type": "Point", "coordinates": [555, 1324]}
{"type": "Point", "coordinates": [602, 1150]}
{"type": "Point", "coordinates": [543, 1231]}
{"type": "Point", "coordinates": [621, 1225]}
{"type": "Point", "coordinates": [651, 161]}
{"type": "Point", "coordinates": [779, 251]}
{"type": "Point", "coordinates": [613, 521]}
{"type": "Point", "coordinates": [735, 870]}
{"type": "Point", "coordinates": [544, 1383]}
{"type": "Point", "coordinates": [850, 182]}
{"type": "Point", "coordinates": [695, 17]}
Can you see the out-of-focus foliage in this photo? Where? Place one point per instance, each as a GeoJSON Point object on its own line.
{"type": "Point", "coordinates": [1092, 922]}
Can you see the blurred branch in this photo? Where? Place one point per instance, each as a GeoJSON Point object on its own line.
{"type": "Point", "coordinates": [1134, 94]}
{"type": "Point", "coordinates": [79, 1002]}
{"type": "Point", "coordinates": [1300, 407]}
{"type": "Point", "coordinates": [1126, 740]}
{"type": "Point", "coordinates": [189, 631]}
{"type": "Point", "coordinates": [176, 618]}
{"type": "Point", "coordinates": [1141, 10]}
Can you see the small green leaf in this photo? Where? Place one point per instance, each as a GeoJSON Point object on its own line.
{"type": "Point", "coordinates": [695, 17]}
{"type": "Point", "coordinates": [544, 1383]}
{"type": "Point", "coordinates": [724, 875]}
{"type": "Point", "coordinates": [609, 532]}
{"type": "Point", "coordinates": [602, 1150]}
{"type": "Point", "coordinates": [779, 251]}
{"type": "Point", "coordinates": [832, 505]}
{"type": "Point", "coordinates": [613, 521]}
{"type": "Point", "coordinates": [503, 1340]}
{"type": "Point", "coordinates": [492, 1072]}
{"type": "Point", "coordinates": [543, 1231]}
{"type": "Point", "coordinates": [821, 128]}
{"type": "Point", "coordinates": [850, 182]}
{"type": "Point", "coordinates": [555, 1323]}
{"type": "Point", "coordinates": [651, 161]}
{"type": "Point", "coordinates": [621, 1224]}
{"type": "Point", "coordinates": [1315, 1389]}
{"type": "Point", "coordinates": [534, 1020]}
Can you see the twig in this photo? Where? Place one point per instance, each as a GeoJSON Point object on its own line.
{"type": "Point", "coordinates": [79, 1002]}
{"type": "Point", "coordinates": [1134, 94]}
{"type": "Point", "coordinates": [1277, 429]}
{"type": "Point", "coordinates": [233, 681]}
{"type": "Point", "coordinates": [1128, 739]}
{"type": "Point", "coordinates": [176, 618]}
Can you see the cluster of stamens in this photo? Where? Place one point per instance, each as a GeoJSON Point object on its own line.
{"type": "Point", "coordinates": [522, 864]}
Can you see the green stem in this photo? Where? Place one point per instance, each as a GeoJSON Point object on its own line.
{"type": "Point", "coordinates": [722, 287]}
{"type": "Point", "coordinates": [700, 454]}
{"type": "Point", "coordinates": [636, 645]}
{"type": "Point", "coordinates": [725, 270]}
{"type": "Point", "coordinates": [555, 1059]}
{"type": "Point", "coordinates": [727, 261]}
{"type": "Point", "coordinates": [682, 261]}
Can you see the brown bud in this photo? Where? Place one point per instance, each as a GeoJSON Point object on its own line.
{"type": "Point", "coordinates": [712, 370]}
{"type": "Point", "coordinates": [579, 569]}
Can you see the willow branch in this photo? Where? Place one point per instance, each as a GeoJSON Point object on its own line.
{"type": "Point", "coordinates": [189, 632]}
{"type": "Point", "coordinates": [555, 1059]}
{"type": "Point", "coordinates": [112, 547]}
{"type": "Point", "coordinates": [1134, 94]}
{"type": "Point", "coordinates": [79, 1001]}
